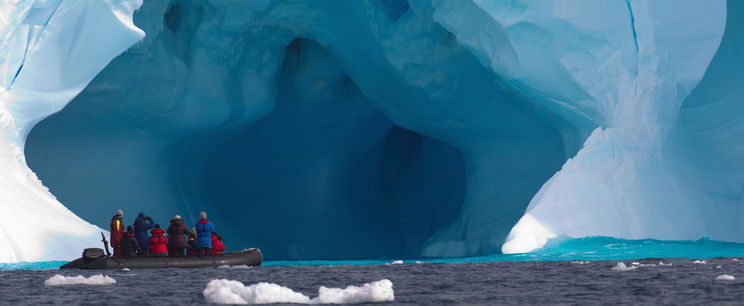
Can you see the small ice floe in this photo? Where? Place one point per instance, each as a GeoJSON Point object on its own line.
{"type": "Point", "coordinates": [580, 262]}
{"type": "Point", "coordinates": [701, 262]}
{"type": "Point", "coordinates": [718, 266]}
{"type": "Point", "coordinates": [725, 277]}
{"type": "Point", "coordinates": [125, 269]}
{"type": "Point", "coordinates": [238, 267]}
{"type": "Point", "coordinates": [419, 262]}
{"type": "Point", "coordinates": [734, 259]}
{"type": "Point", "coordinates": [620, 266]}
{"type": "Point", "coordinates": [222, 291]}
{"type": "Point", "coordinates": [99, 279]}
{"type": "Point", "coordinates": [662, 264]}
{"type": "Point", "coordinates": [397, 262]}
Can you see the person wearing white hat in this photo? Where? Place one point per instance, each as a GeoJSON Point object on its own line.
{"type": "Point", "coordinates": [177, 243]}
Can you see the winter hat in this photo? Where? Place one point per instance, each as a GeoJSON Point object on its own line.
{"type": "Point", "coordinates": [120, 212]}
{"type": "Point", "coordinates": [157, 226]}
{"type": "Point", "coordinates": [203, 215]}
{"type": "Point", "coordinates": [130, 229]}
{"type": "Point", "coordinates": [177, 217]}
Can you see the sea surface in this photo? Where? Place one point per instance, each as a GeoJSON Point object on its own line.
{"type": "Point", "coordinates": [570, 271]}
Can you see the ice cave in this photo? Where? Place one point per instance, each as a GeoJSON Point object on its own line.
{"type": "Point", "coordinates": [373, 128]}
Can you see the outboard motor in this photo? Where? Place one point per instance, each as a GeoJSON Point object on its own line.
{"type": "Point", "coordinates": [91, 254]}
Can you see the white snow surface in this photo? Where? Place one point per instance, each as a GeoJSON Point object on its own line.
{"type": "Point", "coordinates": [222, 291]}
{"type": "Point", "coordinates": [100, 279]}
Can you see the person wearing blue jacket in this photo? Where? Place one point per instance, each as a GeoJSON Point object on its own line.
{"type": "Point", "coordinates": [141, 225]}
{"type": "Point", "coordinates": [204, 229]}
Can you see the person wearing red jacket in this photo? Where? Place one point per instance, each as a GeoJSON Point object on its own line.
{"type": "Point", "coordinates": [217, 246]}
{"type": "Point", "coordinates": [117, 232]}
{"type": "Point", "coordinates": [158, 242]}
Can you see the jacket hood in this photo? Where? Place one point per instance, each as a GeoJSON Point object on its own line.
{"type": "Point", "coordinates": [157, 232]}
{"type": "Point", "coordinates": [141, 215]}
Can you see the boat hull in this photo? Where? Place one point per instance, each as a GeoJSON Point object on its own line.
{"type": "Point", "coordinates": [249, 257]}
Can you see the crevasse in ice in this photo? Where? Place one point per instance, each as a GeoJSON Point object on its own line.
{"type": "Point", "coordinates": [369, 129]}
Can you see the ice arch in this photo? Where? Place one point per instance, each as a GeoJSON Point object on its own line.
{"type": "Point", "coordinates": [297, 146]}
{"type": "Point", "coordinates": [474, 105]}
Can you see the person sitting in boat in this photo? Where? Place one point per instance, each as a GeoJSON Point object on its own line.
{"type": "Point", "coordinates": [176, 239]}
{"type": "Point", "coordinates": [128, 244]}
{"type": "Point", "coordinates": [158, 242]}
{"type": "Point", "coordinates": [217, 246]}
{"type": "Point", "coordinates": [141, 225]}
{"type": "Point", "coordinates": [117, 231]}
{"type": "Point", "coordinates": [192, 243]}
{"type": "Point", "coordinates": [204, 229]}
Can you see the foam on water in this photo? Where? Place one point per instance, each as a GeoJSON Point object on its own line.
{"type": "Point", "coordinates": [222, 291]}
{"type": "Point", "coordinates": [100, 279]}
{"type": "Point", "coordinates": [238, 267]}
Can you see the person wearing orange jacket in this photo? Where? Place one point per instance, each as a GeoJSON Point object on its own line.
{"type": "Point", "coordinates": [158, 242]}
{"type": "Point", "coordinates": [117, 232]}
{"type": "Point", "coordinates": [217, 246]}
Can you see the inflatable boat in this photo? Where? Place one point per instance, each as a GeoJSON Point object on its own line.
{"type": "Point", "coordinates": [95, 259]}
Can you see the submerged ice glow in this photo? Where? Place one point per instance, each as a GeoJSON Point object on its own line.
{"type": "Point", "coordinates": [368, 129]}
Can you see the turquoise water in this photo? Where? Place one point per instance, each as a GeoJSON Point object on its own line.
{"type": "Point", "coordinates": [559, 249]}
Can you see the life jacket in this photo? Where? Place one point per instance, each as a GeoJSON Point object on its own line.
{"type": "Point", "coordinates": [117, 230]}
{"type": "Point", "coordinates": [158, 242]}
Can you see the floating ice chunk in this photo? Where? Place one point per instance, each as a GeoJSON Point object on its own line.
{"type": "Point", "coordinates": [379, 291]}
{"type": "Point", "coordinates": [725, 277]}
{"type": "Point", "coordinates": [397, 262]}
{"type": "Point", "coordinates": [580, 262]}
{"type": "Point", "coordinates": [99, 279]}
{"type": "Point", "coordinates": [419, 262]}
{"type": "Point", "coordinates": [735, 259]}
{"type": "Point", "coordinates": [701, 262]}
{"type": "Point", "coordinates": [662, 264]}
{"type": "Point", "coordinates": [125, 269]}
{"type": "Point", "coordinates": [635, 263]}
{"type": "Point", "coordinates": [718, 266]}
{"type": "Point", "coordinates": [222, 291]}
{"type": "Point", "coordinates": [622, 267]}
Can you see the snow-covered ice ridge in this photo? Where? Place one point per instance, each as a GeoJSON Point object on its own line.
{"type": "Point", "coordinates": [446, 127]}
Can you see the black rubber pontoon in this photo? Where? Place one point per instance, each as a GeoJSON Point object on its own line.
{"type": "Point", "coordinates": [94, 259]}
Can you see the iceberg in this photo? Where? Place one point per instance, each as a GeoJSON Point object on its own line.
{"type": "Point", "coordinates": [371, 129]}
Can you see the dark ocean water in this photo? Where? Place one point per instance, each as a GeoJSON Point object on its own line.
{"type": "Point", "coordinates": [536, 283]}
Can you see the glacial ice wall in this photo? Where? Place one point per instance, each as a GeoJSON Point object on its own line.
{"type": "Point", "coordinates": [365, 129]}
